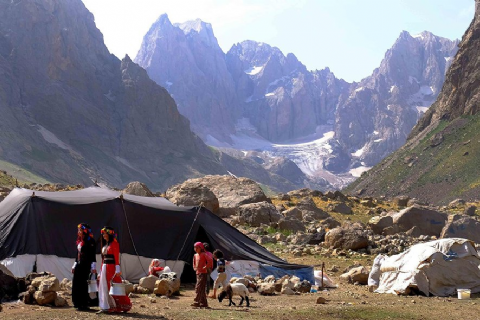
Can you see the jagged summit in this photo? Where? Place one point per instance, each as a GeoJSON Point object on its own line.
{"type": "Point", "coordinates": [439, 162]}
{"type": "Point", "coordinates": [162, 20]}
{"type": "Point", "coordinates": [198, 27]}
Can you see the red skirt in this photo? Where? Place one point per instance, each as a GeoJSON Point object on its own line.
{"type": "Point", "coordinates": [122, 303]}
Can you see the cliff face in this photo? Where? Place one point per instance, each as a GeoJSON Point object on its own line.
{"type": "Point", "coordinates": [439, 162]}
{"type": "Point", "coordinates": [72, 112]}
{"type": "Point", "coordinates": [377, 116]}
{"type": "Point", "coordinates": [280, 97]}
{"type": "Point", "coordinates": [187, 60]}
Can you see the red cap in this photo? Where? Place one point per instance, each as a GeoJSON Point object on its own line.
{"type": "Point", "coordinates": [200, 245]}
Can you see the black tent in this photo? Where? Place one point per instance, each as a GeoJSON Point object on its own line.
{"type": "Point", "coordinates": [39, 228]}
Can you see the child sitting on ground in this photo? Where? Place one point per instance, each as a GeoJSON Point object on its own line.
{"type": "Point", "coordinates": [222, 275]}
{"type": "Point", "coordinates": [155, 269]}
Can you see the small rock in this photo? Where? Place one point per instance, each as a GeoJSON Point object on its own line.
{"type": "Point", "coordinates": [321, 300]}
{"type": "Point", "coordinates": [153, 300]}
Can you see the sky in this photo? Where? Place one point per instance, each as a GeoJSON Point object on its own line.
{"type": "Point", "coordinates": [348, 36]}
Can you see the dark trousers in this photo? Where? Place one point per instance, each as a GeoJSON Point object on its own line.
{"type": "Point", "coordinates": [201, 295]}
{"type": "Point", "coordinates": [80, 297]}
{"type": "Point", "coordinates": [209, 285]}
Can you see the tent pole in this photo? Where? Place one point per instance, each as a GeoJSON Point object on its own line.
{"type": "Point", "coordinates": [323, 266]}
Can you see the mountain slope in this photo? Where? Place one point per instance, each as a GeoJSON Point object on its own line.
{"type": "Point", "coordinates": [439, 162]}
{"type": "Point", "coordinates": [72, 112]}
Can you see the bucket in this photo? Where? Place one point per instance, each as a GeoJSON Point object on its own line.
{"type": "Point", "coordinates": [92, 283]}
{"type": "Point", "coordinates": [463, 293]}
{"type": "Point", "coordinates": [117, 289]}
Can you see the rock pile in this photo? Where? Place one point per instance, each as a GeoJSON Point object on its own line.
{"type": "Point", "coordinates": [167, 284]}
{"type": "Point", "coordinates": [44, 289]}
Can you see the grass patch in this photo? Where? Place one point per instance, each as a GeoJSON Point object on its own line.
{"type": "Point", "coordinates": [16, 172]}
{"type": "Point", "coordinates": [272, 230]}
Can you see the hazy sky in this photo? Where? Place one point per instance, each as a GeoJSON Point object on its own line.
{"type": "Point", "coordinates": [348, 36]}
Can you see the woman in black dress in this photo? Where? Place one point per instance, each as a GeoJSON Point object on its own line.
{"type": "Point", "coordinates": [84, 265]}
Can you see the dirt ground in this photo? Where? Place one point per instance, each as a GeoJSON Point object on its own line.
{"type": "Point", "coordinates": [345, 302]}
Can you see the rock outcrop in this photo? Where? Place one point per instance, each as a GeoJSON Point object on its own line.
{"type": "Point", "coordinates": [231, 192]}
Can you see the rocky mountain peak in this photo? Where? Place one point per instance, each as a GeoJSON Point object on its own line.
{"type": "Point", "coordinates": [439, 161]}
{"type": "Point", "coordinates": [162, 20]}
{"type": "Point", "coordinates": [198, 28]}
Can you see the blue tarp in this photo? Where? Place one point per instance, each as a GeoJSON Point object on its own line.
{"type": "Point", "coordinates": [303, 273]}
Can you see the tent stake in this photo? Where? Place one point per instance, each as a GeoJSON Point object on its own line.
{"type": "Point", "coordinates": [323, 266]}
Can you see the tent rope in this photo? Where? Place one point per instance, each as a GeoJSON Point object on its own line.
{"type": "Point", "coordinates": [131, 237]}
{"type": "Point", "coordinates": [188, 234]}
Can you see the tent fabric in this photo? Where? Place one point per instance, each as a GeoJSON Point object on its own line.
{"type": "Point", "coordinates": [305, 273]}
{"type": "Point", "coordinates": [45, 223]}
{"type": "Point", "coordinates": [62, 267]}
{"type": "Point", "coordinates": [437, 267]}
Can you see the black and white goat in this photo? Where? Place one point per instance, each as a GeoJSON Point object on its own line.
{"type": "Point", "coordinates": [234, 289]}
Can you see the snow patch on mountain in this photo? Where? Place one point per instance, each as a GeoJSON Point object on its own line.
{"type": "Point", "coordinates": [357, 172]}
{"type": "Point", "coordinates": [359, 152]}
{"type": "Point", "coordinates": [254, 70]}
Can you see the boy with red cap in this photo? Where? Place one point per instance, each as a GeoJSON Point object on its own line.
{"type": "Point", "coordinates": [200, 267]}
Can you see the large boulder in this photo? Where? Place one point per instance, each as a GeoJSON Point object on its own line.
{"type": "Point", "coordinates": [138, 189]}
{"type": "Point", "coordinates": [349, 237]}
{"type": "Point", "coordinates": [148, 282]}
{"type": "Point", "coordinates": [291, 224]}
{"type": "Point", "coordinates": [356, 275]}
{"type": "Point", "coordinates": [5, 270]}
{"type": "Point", "coordinates": [378, 223]}
{"type": "Point", "coordinates": [460, 226]}
{"type": "Point", "coordinates": [430, 222]}
{"type": "Point", "coordinates": [266, 289]}
{"type": "Point", "coordinates": [8, 287]}
{"type": "Point", "coordinates": [167, 285]}
{"type": "Point", "coordinates": [293, 213]}
{"type": "Point", "coordinates": [46, 282]}
{"type": "Point", "coordinates": [193, 193]}
{"type": "Point", "coordinates": [310, 211]}
{"type": "Point", "coordinates": [231, 192]}
{"type": "Point", "coordinates": [401, 201]}
{"type": "Point", "coordinates": [342, 208]}
{"type": "Point", "coordinates": [330, 223]}
{"type": "Point", "coordinates": [43, 298]}
{"type": "Point", "coordinates": [66, 285]}
{"type": "Point", "coordinates": [60, 301]}
{"type": "Point", "coordinates": [256, 214]}
{"type": "Point", "coordinates": [470, 210]}
{"type": "Point", "coordinates": [303, 286]}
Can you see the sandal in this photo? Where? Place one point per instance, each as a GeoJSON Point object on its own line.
{"type": "Point", "coordinates": [195, 305]}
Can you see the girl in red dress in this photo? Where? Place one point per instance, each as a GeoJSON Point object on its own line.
{"type": "Point", "coordinates": [155, 269]}
{"type": "Point", "coordinates": [111, 272]}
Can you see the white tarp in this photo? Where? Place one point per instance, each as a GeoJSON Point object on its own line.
{"type": "Point", "coordinates": [131, 265]}
{"type": "Point", "coordinates": [239, 269]}
{"type": "Point", "coordinates": [437, 267]}
{"type": "Point", "coordinates": [327, 282]}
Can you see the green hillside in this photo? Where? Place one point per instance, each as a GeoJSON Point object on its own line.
{"type": "Point", "coordinates": [443, 166]}
{"type": "Point", "coordinates": [11, 174]}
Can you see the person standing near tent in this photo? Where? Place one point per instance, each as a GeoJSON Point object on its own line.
{"type": "Point", "coordinates": [200, 267]}
{"type": "Point", "coordinates": [209, 256]}
{"type": "Point", "coordinates": [221, 270]}
{"type": "Point", "coordinates": [111, 273]}
{"type": "Point", "coordinates": [83, 266]}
